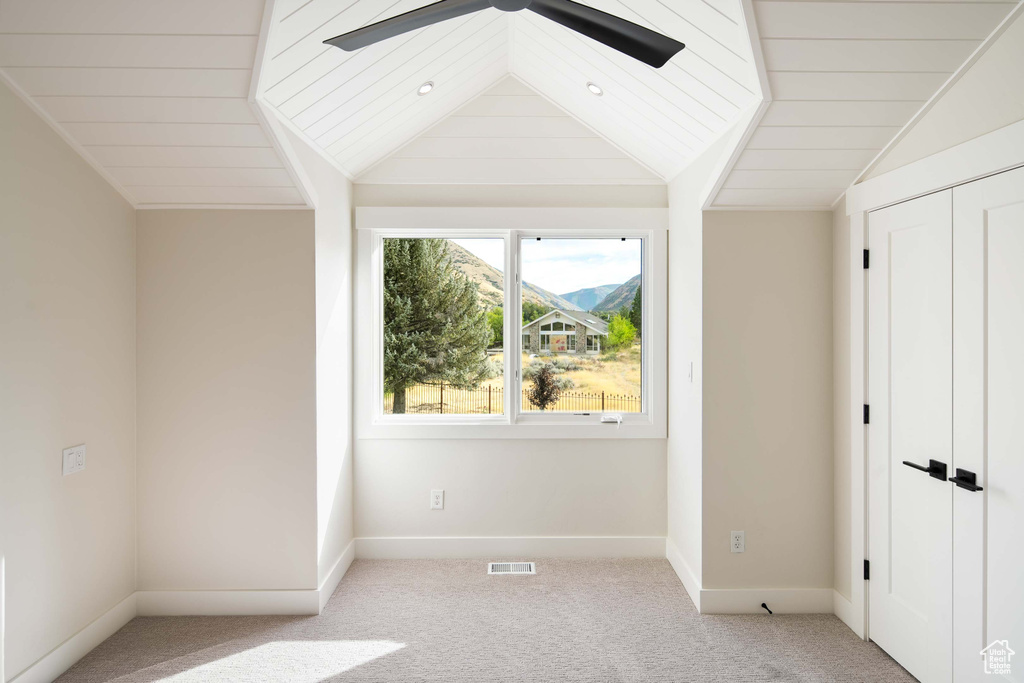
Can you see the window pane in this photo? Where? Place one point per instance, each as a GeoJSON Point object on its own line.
{"type": "Point", "coordinates": [582, 320]}
{"type": "Point", "coordinates": [443, 326]}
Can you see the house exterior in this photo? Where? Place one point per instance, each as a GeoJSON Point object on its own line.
{"type": "Point", "coordinates": [558, 330]}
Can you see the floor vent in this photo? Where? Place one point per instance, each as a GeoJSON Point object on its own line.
{"type": "Point", "coordinates": [511, 568]}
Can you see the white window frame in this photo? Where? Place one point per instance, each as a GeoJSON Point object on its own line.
{"type": "Point", "coordinates": [374, 224]}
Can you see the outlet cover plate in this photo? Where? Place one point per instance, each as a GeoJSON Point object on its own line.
{"type": "Point", "coordinates": [73, 460]}
{"type": "Point", "coordinates": [737, 541]}
{"type": "Point", "coordinates": [437, 499]}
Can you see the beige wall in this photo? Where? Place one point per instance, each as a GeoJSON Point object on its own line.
{"type": "Point", "coordinates": [509, 487]}
{"type": "Point", "coordinates": [989, 96]}
{"type": "Point", "coordinates": [334, 266]}
{"type": "Point", "coordinates": [842, 382]}
{"type": "Point", "coordinates": [226, 400]}
{"type": "Point", "coordinates": [67, 376]}
{"type": "Point", "coordinates": [767, 414]}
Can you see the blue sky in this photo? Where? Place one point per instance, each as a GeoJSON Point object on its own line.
{"type": "Point", "coordinates": [565, 265]}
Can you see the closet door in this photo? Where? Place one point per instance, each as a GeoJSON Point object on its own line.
{"type": "Point", "coordinates": [988, 427]}
{"type": "Point", "coordinates": [910, 389]}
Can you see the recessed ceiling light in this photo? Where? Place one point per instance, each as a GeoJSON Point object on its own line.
{"type": "Point", "coordinates": [426, 87]}
{"type": "Point", "coordinates": [595, 88]}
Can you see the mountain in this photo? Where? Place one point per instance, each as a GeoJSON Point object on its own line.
{"type": "Point", "coordinates": [490, 281]}
{"type": "Point", "coordinates": [622, 296]}
{"type": "Point", "coordinates": [586, 299]}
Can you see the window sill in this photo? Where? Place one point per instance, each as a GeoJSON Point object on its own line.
{"type": "Point", "coordinates": [632, 427]}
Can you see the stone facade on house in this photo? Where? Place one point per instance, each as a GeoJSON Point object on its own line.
{"type": "Point", "coordinates": [535, 337]}
{"type": "Point", "coordinates": [581, 338]}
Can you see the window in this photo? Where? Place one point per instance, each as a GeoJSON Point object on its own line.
{"type": "Point", "coordinates": [473, 332]}
{"type": "Point", "coordinates": [443, 326]}
{"type": "Point", "coordinates": [593, 285]}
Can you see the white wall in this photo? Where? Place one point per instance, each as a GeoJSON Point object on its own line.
{"type": "Point", "coordinates": [334, 372]}
{"type": "Point", "coordinates": [227, 460]}
{"type": "Point", "coordinates": [559, 488]}
{"type": "Point", "coordinates": [989, 96]}
{"type": "Point", "coordinates": [767, 412]}
{"type": "Point", "coordinates": [684, 447]}
{"type": "Point", "coordinates": [67, 376]}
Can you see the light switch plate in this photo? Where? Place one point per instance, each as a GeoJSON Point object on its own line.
{"type": "Point", "coordinates": [73, 459]}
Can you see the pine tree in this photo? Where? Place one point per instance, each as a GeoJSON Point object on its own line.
{"type": "Point", "coordinates": [545, 390]}
{"type": "Point", "coordinates": [636, 312]}
{"type": "Point", "coordinates": [435, 331]}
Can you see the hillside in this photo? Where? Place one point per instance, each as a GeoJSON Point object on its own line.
{"type": "Point", "coordinates": [622, 296]}
{"type": "Point", "coordinates": [586, 299]}
{"type": "Point", "coordinates": [489, 280]}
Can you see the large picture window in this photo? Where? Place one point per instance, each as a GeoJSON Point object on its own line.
{"type": "Point", "coordinates": [508, 331]}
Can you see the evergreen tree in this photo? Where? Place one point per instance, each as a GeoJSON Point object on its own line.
{"type": "Point", "coordinates": [545, 390]}
{"type": "Point", "coordinates": [636, 312]}
{"type": "Point", "coordinates": [435, 331]}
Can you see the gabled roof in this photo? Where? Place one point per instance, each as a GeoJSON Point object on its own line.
{"type": "Point", "coordinates": [591, 321]}
{"type": "Point", "coordinates": [357, 108]}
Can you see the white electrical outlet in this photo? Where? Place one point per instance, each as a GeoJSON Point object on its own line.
{"type": "Point", "coordinates": [73, 460]}
{"type": "Point", "coordinates": [437, 499]}
{"type": "Point", "coordinates": [737, 541]}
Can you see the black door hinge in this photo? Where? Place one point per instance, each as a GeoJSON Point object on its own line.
{"type": "Point", "coordinates": [867, 259]}
{"type": "Point", "coordinates": [867, 570]}
{"type": "Point", "coordinates": [867, 414]}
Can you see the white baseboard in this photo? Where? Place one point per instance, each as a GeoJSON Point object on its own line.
{"type": "Point", "coordinates": [330, 583]}
{"type": "Point", "coordinates": [228, 603]}
{"type": "Point", "coordinates": [843, 609]}
{"type": "Point", "coordinates": [508, 547]}
{"type": "Point", "coordinates": [683, 571]}
{"type": "Point", "coordinates": [780, 600]}
{"type": "Point", "coordinates": [62, 657]}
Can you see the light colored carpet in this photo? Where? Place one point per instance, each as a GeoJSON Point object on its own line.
{"type": "Point", "coordinates": [446, 620]}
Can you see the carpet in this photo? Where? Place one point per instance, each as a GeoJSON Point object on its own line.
{"type": "Point", "coordinates": [447, 620]}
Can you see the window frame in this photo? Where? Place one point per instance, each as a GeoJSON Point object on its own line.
{"type": "Point", "coordinates": [374, 224]}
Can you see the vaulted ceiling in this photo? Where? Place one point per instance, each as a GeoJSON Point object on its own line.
{"type": "Point", "coordinates": [154, 93]}
{"type": "Point", "coordinates": [844, 78]}
{"type": "Point", "coordinates": [174, 101]}
{"type": "Point", "coordinates": [360, 107]}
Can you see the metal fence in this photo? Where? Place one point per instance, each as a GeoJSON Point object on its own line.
{"type": "Point", "coordinates": [425, 399]}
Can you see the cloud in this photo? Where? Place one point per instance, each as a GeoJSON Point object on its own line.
{"type": "Point", "coordinates": [565, 265]}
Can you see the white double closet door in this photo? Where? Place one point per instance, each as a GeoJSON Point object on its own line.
{"type": "Point", "coordinates": [946, 394]}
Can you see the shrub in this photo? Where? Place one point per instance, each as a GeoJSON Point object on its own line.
{"type": "Point", "coordinates": [545, 390]}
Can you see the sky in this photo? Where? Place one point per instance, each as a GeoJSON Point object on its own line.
{"type": "Point", "coordinates": [565, 265]}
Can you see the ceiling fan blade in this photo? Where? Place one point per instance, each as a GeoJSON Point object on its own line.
{"type": "Point", "coordinates": [403, 23]}
{"type": "Point", "coordinates": [650, 47]}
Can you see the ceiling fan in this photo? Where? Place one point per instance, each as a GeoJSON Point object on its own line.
{"type": "Point", "coordinates": [650, 47]}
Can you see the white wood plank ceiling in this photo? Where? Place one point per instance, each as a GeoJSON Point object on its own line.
{"type": "Point", "coordinates": [510, 135]}
{"type": "Point", "coordinates": [360, 107]}
{"type": "Point", "coordinates": [152, 92]}
{"type": "Point", "coordinates": [845, 77]}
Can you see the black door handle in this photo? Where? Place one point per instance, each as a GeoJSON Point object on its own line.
{"type": "Point", "coordinates": [935, 469]}
{"type": "Point", "coordinates": [966, 480]}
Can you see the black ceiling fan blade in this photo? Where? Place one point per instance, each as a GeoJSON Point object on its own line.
{"type": "Point", "coordinates": [650, 47]}
{"type": "Point", "coordinates": [403, 23]}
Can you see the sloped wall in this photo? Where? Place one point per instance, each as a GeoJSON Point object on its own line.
{"type": "Point", "coordinates": [67, 376]}
{"type": "Point", "coordinates": [989, 96]}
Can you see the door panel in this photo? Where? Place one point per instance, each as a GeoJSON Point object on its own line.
{"type": "Point", "coordinates": [911, 396]}
{"type": "Point", "coordinates": [988, 539]}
